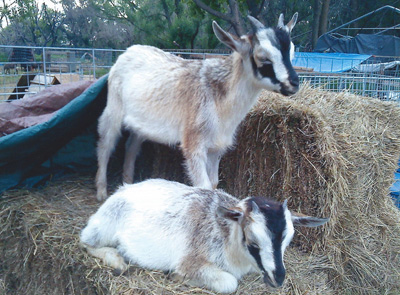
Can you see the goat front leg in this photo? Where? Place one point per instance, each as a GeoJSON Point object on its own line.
{"type": "Point", "coordinates": [196, 165]}
{"type": "Point", "coordinates": [195, 154]}
{"type": "Point", "coordinates": [206, 275]}
{"type": "Point", "coordinates": [213, 159]}
{"type": "Point", "coordinates": [132, 148]}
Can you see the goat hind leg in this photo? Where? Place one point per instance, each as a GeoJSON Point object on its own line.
{"type": "Point", "coordinates": [106, 145]}
{"type": "Point", "coordinates": [132, 148]}
{"type": "Point", "coordinates": [108, 255]}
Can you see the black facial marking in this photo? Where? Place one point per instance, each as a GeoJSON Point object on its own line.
{"type": "Point", "coordinates": [266, 71]}
{"type": "Point", "coordinates": [283, 40]}
{"type": "Point", "coordinates": [253, 65]}
{"type": "Point", "coordinates": [279, 272]}
{"type": "Point", "coordinates": [273, 213]}
{"type": "Point", "coordinates": [255, 252]}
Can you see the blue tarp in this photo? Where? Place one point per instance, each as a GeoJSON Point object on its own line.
{"type": "Point", "coordinates": [328, 62]}
{"type": "Point", "coordinates": [380, 45]}
{"type": "Point", "coordinates": [395, 188]}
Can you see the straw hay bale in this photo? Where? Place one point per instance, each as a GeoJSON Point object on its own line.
{"type": "Point", "coordinates": [332, 155]}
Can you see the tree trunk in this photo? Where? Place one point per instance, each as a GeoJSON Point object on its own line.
{"type": "Point", "coordinates": [166, 12]}
{"type": "Point", "coordinates": [315, 28]}
{"type": "Point", "coordinates": [323, 21]}
{"type": "Point", "coordinates": [194, 35]}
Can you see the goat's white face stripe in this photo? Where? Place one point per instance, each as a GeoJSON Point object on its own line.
{"type": "Point", "coordinates": [289, 231]}
{"type": "Point", "coordinates": [263, 240]}
{"type": "Point", "coordinates": [291, 51]}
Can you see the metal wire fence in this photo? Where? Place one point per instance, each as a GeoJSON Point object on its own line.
{"type": "Point", "coordinates": [375, 77]}
{"type": "Point", "coordinates": [373, 85]}
{"type": "Point", "coordinates": [27, 70]}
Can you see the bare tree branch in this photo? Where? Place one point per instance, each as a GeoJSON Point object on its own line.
{"type": "Point", "coordinates": [216, 13]}
{"type": "Point", "coordinates": [236, 19]}
{"type": "Point", "coordinates": [233, 18]}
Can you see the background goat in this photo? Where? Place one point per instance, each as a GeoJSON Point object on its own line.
{"type": "Point", "coordinates": [199, 104]}
{"type": "Point", "coordinates": [9, 67]}
{"type": "Point", "coordinates": [207, 236]}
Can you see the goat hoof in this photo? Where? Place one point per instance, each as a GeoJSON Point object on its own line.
{"type": "Point", "coordinates": [101, 197]}
{"type": "Point", "coordinates": [117, 271]}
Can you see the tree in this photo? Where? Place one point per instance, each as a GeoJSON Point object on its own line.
{"type": "Point", "coordinates": [234, 11]}
{"type": "Point", "coordinates": [5, 12]}
{"type": "Point", "coordinates": [323, 20]}
{"type": "Point", "coordinates": [165, 23]}
{"type": "Point", "coordinates": [84, 26]}
{"type": "Point", "coordinates": [320, 19]}
{"type": "Point", "coordinates": [175, 23]}
{"type": "Point", "coordinates": [30, 24]}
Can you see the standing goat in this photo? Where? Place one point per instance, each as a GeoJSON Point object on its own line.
{"type": "Point", "coordinates": [8, 67]}
{"type": "Point", "coordinates": [199, 104]}
{"type": "Point", "coordinates": [207, 236]}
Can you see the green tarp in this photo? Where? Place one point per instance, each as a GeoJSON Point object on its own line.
{"type": "Point", "coordinates": [67, 141]}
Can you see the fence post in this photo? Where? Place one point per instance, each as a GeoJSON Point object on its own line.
{"type": "Point", "coordinates": [94, 64]}
{"type": "Point", "coordinates": [44, 66]}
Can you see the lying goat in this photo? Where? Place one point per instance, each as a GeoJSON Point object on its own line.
{"type": "Point", "coordinates": [207, 236]}
{"type": "Point", "coordinates": [199, 104]}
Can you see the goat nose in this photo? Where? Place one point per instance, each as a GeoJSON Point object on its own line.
{"type": "Point", "coordinates": [294, 82]}
{"type": "Point", "coordinates": [279, 277]}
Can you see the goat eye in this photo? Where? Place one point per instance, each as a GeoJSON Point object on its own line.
{"type": "Point", "coordinates": [255, 245]}
{"type": "Point", "coordinates": [265, 61]}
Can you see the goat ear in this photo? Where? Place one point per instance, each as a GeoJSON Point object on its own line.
{"type": "Point", "coordinates": [284, 205]}
{"type": "Point", "coordinates": [290, 25]}
{"type": "Point", "coordinates": [280, 21]}
{"type": "Point", "coordinates": [234, 214]}
{"type": "Point", "coordinates": [308, 221]}
{"type": "Point", "coordinates": [254, 207]}
{"type": "Point", "coordinates": [229, 40]}
{"type": "Point", "coordinates": [255, 24]}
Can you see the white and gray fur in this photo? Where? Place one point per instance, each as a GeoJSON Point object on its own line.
{"type": "Point", "coordinates": [195, 103]}
{"type": "Point", "coordinates": [206, 236]}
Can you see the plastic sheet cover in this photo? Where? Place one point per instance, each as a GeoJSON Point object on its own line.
{"type": "Point", "coordinates": [66, 141]}
{"type": "Point", "coordinates": [328, 62]}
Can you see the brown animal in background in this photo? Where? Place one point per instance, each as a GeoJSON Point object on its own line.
{"type": "Point", "coordinates": [9, 67]}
